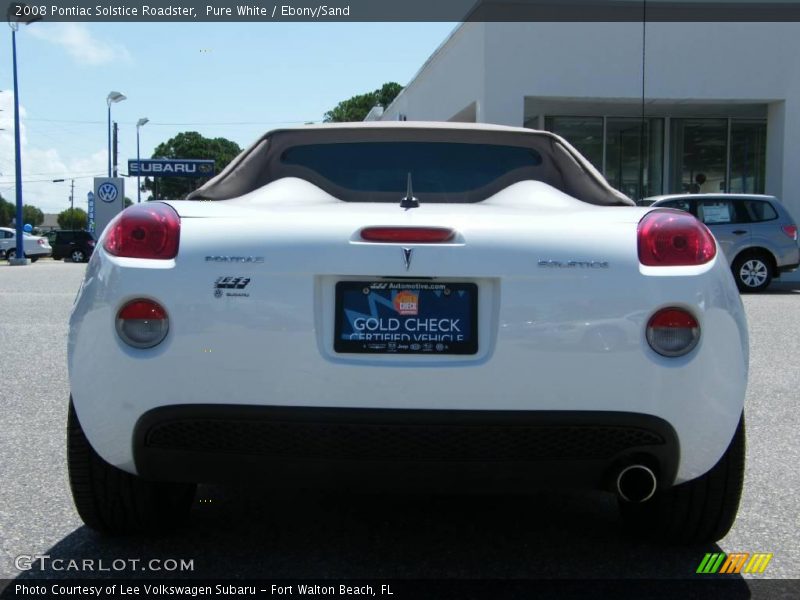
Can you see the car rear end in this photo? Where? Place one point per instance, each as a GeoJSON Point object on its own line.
{"type": "Point", "coordinates": [77, 246]}
{"type": "Point", "coordinates": [529, 339]}
{"type": "Point", "coordinates": [37, 247]}
{"type": "Point", "coordinates": [783, 235]}
{"type": "Point", "coordinates": [260, 333]}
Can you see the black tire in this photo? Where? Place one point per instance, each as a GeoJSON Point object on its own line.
{"type": "Point", "coordinates": [10, 255]}
{"type": "Point", "coordinates": [77, 256]}
{"type": "Point", "coordinates": [113, 501]}
{"type": "Point", "coordinates": [700, 511]}
{"type": "Point", "coordinates": [34, 259]}
{"type": "Point", "coordinates": [752, 271]}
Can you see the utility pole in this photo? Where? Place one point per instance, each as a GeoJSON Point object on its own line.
{"type": "Point", "coordinates": [71, 201]}
{"type": "Point", "coordinates": [115, 143]}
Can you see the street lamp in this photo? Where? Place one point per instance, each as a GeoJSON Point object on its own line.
{"type": "Point", "coordinates": [112, 98]}
{"type": "Point", "coordinates": [13, 22]}
{"type": "Point", "coordinates": [139, 124]}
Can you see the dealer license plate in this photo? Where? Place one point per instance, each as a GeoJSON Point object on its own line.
{"type": "Point", "coordinates": [406, 317]}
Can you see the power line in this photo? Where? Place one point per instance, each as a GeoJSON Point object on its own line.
{"type": "Point", "coordinates": [178, 124]}
{"type": "Point", "coordinates": [87, 173]}
{"type": "Point", "coordinates": [12, 181]}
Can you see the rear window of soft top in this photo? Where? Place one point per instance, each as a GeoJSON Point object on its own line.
{"type": "Point", "coordinates": [438, 169]}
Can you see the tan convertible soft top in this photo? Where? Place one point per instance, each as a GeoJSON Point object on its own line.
{"type": "Point", "coordinates": [562, 166]}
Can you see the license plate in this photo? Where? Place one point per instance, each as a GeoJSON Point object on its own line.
{"type": "Point", "coordinates": [406, 317]}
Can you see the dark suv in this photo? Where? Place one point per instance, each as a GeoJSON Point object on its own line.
{"type": "Point", "coordinates": [75, 245]}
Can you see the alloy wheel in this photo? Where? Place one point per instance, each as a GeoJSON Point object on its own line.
{"type": "Point", "coordinates": [753, 273]}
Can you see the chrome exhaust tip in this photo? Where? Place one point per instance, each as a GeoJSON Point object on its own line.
{"type": "Point", "coordinates": [636, 483]}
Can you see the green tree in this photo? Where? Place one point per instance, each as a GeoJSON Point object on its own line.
{"type": "Point", "coordinates": [32, 215]}
{"type": "Point", "coordinates": [189, 144]}
{"type": "Point", "coordinates": [128, 202]}
{"type": "Point", "coordinates": [73, 219]}
{"type": "Point", "coordinates": [357, 107]}
{"type": "Point", "coordinates": [7, 211]}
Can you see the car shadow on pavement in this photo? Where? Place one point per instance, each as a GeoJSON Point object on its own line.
{"type": "Point", "coordinates": [252, 533]}
{"type": "Point", "coordinates": [783, 287]}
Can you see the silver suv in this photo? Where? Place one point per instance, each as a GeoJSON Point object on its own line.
{"type": "Point", "coordinates": [756, 233]}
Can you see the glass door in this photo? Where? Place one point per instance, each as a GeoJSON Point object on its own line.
{"type": "Point", "coordinates": [634, 165]}
{"type": "Point", "coordinates": [699, 155]}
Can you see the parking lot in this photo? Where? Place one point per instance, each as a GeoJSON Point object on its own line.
{"type": "Point", "coordinates": [238, 532]}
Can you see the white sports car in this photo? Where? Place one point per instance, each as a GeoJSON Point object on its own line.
{"type": "Point", "coordinates": [409, 304]}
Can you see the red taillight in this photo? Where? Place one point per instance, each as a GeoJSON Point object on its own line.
{"type": "Point", "coordinates": [791, 231]}
{"type": "Point", "coordinates": [90, 243]}
{"type": "Point", "coordinates": [407, 235]}
{"type": "Point", "coordinates": [142, 323]}
{"type": "Point", "coordinates": [670, 238]}
{"type": "Point", "coordinates": [673, 332]}
{"type": "Point", "coordinates": [142, 309]}
{"type": "Point", "coordinates": [40, 241]}
{"type": "Point", "coordinates": [150, 230]}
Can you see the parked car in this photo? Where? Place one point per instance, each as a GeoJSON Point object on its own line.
{"type": "Point", "coordinates": [78, 246]}
{"type": "Point", "coordinates": [367, 305]}
{"type": "Point", "coordinates": [35, 247]}
{"type": "Point", "coordinates": [756, 233]}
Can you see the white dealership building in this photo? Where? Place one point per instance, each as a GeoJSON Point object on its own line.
{"type": "Point", "coordinates": [721, 100]}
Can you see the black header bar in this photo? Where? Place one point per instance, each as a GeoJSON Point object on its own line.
{"type": "Point", "coordinates": [222, 11]}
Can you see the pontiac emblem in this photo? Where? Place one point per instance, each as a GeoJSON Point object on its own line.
{"type": "Point", "coordinates": [407, 252]}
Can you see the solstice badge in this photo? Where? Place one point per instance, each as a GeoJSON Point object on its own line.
{"type": "Point", "coordinates": [406, 302]}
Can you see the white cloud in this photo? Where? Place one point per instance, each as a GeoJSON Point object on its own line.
{"type": "Point", "coordinates": [41, 165]}
{"type": "Point", "coordinates": [80, 43]}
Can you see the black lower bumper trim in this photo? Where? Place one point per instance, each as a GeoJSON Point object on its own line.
{"type": "Point", "coordinates": [440, 448]}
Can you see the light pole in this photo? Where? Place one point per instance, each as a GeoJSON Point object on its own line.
{"type": "Point", "coordinates": [139, 124]}
{"type": "Point", "coordinates": [112, 98]}
{"type": "Point", "coordinates": [13, 22]}
{"type": "Point", "coordinates": [71, 201]}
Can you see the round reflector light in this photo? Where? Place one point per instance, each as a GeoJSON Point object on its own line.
{"type": "Point", "coordinates": [673, 332]}
{"type": "Point", "coordinates": [142, 323]}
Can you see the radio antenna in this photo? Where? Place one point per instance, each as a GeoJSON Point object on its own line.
{"type": "Point", "coordinates": [409, 201]}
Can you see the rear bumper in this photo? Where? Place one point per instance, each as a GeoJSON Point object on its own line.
{"type": "Point", "coordinates": [438, 450]}
{"type": "Point", "coordinates": [39, 251]}
{"type": "Point", "coordinates": [30, 253]}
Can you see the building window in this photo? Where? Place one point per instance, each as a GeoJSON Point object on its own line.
{"type": "Point", "coordinates": [719, 155]}
{"type": "Point", "coordinates": [706, 155]}
{"type": "Point", "coordinates": [748, 157]}
{"type": "Point", "coordinates": [628, 157]}
{"type": "Point", "coordinates": [699, 155]}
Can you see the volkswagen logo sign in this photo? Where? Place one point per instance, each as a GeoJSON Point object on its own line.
{"type": "Point", "coordinates": [107, 192]}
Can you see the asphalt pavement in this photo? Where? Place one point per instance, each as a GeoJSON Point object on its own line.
{"type": "Point", "coordinates": [246, 532]}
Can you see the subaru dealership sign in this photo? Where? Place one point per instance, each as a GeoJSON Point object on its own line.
{"type": "Point", "coordinates": [164, 167]}
{"type": "Point", "coordinates": [90, 198]}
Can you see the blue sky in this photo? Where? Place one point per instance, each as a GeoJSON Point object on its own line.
{"type": "Point", "coordinates": [234, 80]}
